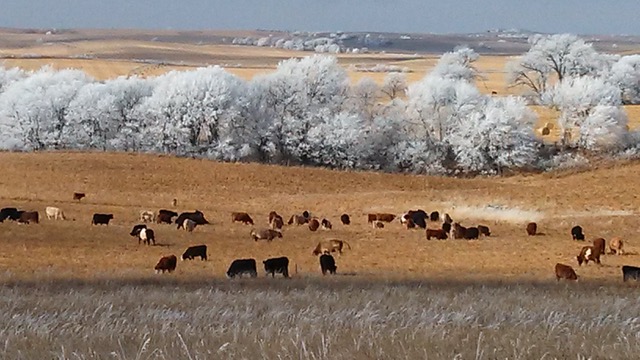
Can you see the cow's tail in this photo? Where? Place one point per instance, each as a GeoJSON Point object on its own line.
{"type": "Point", "coordinates": [346, 243]}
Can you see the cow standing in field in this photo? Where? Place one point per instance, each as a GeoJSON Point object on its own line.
{"type": "Point", "coordinates": [146, 236]}
{"type": "Point", "coordinates": [327, 263]}
{"type": "Point", "coordinates": [630, 273]}
{"type": "Point", "coordinates": [326, 224]}
{"type": "Point", "coordinates": [577, 234]}
{"type": "Point", "coordinates": [588, 253]}
{"type": "Point", "coordinates": [136, 229]}
{"type": "Point", "coordinates": [101, 219]}
{"type": "Point", "coordinates": [277, 265]}
{"type": "Point", "coordinates": [188, 225]}
{"type": "Point", "coordinates": [242, 217]}
{"type": "Point", "coordinates": [314, 224]}
{"type": "Point", "coordinates": [615, 246]}
{"type": "Point", "coordinates": [532, 229]}
{"type": "Point", "coordinates": [344, 218]}
{"type": "Point", "coordinates": [147, 216]}
{"type": "Point", "coordinates": [166, 263]}
{"type": "Point", "coordinates": [194, 251]}
{"type": "Point", "coordinates": [484, 230]}
{"type": "Point", "coordinates": [78, 196]}
{"type": "Point", "coordinates": [241, 267]}
{"type": "Point", "coordinates": [196, 216]}
{"type": "Point", "coordinates": [29, 217]}
{"type": "Point", "coordinates": [276, 222]}
{"type": "Point", "coordinates": [329, 246]}
{"type": "Point", "coordinates": [265, 234]}
{"type": "Point", "coordinates": [165, 216]}
{"type": "Point", "coordinates": [439, 234]}
{"type": "Point", "coordinates": [10, 213]}
{"type": "Point", "coordinates": [54, 213]}
{"type": "Point", "coordinates": [434, 216]}
{"type": "Point", "coordinates": [599, 245]}
{"type": "Point", "coordinates": [297, 220]}
{"type": "Point", "coordinates": [565, 272]}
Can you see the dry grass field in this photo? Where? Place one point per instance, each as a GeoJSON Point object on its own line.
{"type": "Point", "coordinates": [73, 290]}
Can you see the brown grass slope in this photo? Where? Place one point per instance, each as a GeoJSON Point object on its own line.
{"type": "Point", "coordinates": [603, 201]}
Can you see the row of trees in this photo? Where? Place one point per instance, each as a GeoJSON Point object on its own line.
{"type": "Point", "coordinates": [307, 112]}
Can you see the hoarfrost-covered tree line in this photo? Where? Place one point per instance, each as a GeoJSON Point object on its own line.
{"type": "Point", "coordinates": [307, 112]}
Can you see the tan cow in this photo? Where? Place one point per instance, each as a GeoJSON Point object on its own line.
{"type": "Point", "coordinates": [565, 272]}
{"type": "Point", "coordinates": [147, 216]}
{"type": "Point", "coordinates": [265, 234]}
{"type": "Point", "coordinates": [297, 220]}
{"type": "Point", "coordinates": [329, 246]}
{"type": "Point", "coordinates": [54, 213]}
{"type": "Point", "coordinates": [615, 246]}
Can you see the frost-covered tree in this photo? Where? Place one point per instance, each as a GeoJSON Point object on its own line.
{"type": "Point", "coordinates": [553, 57]}
{"type": "Point", "coordinates": [190, 111]}
{"type": "Point", "coordinates": [338, 141]}
{"type": "Point", "coordinates": [604, 129]}
{"type": "Point", "coordinates": [394, 85]}
{"type": "Point", "coordinates": [496, 136]}
{"type": "Point", "coordinates": [576, 98]}
{"type": "Point", "coordinates": [625, 74]}
{"type": "Point", "coordinates": [364, 98]}
{"type": "Point", "coordinates": [38, 106]}
{"type": "Point", "coordinates": [8, 76]}
{"type": "Point", "coordinates": [457, 65]}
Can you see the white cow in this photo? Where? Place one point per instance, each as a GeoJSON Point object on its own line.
{"type": "Point", "coordinates": [147, 216]}
{"type": "Point", "coordinates": [54, 213]}
{"type": "Point", "coordinates": [188, 225]}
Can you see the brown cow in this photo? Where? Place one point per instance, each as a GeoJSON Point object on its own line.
{"type": "Point", "coordinates": [326, 224]}
{"type": "Point", "coordinates": [29, 217]}
{"type": "Point", "coordinates": [265, 234]}
{"type": "Point", "coordinates": [329, 246]}
{"type": "Point", "coordinates": [532, 229]}
{"type": "Point", "coordinates": [314, 224]}
{"type": "Point", "coordinates": [565, 272]}
{"type": "Point", "coordinates": [276, 223]}
{"type": "Point", "coordinates": [242, 217]}
{"type": "Point", "coordinates": [615, 246]}
{"type": "Point", "coordinates": [447, 219]}
{"type": "Point", "coordinates": [408, 223]}
{"type": "Point", "coordinates": [599, 245]}
{"type": "Point", "coordinates": [166, 263]}
{"type": "Point", "coordinates": [274, 215]}
{"type": "Point", "coordinates": [588, 253]}
{"type": "Point", "coordinates": [385, 217]}
{"type": "Point", "coordinates": [484, 230]}
{"type": "Point", "coordinates": [297, 220]}
{"type": "Point", "coordinates": [78, 196]}
{"type": "Point", "coordinates": [439, 234]}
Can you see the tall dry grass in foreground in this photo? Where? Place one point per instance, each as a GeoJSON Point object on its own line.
{"type": "Point", "coordinates": [328, 318]}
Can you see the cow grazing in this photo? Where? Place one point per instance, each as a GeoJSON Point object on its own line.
{"type": "Point", "coordinates": [565, 272]}
{"type": "Point", "coordinates": [147, 216]}
{"type": "Point", "coordinates": [344, 218]}
{"type": "Point", "coordinates": [242, 217]}
{"type": "Point", "coordinates": [54, 213]}
{"type": "Point", "coordinates": [169, 213]}
{"type": "Point", "coordinates": [164, 219]}
{"type": "Point", "coordinates": [439, 234]}
{"type": "Point", "coordinates": [588, 253]}
{"type": "Point", "coordinates": [329, 246]}
{"type": "Point", "coordinates": [10, 213]}
{"type": "Point", "coordinates": [615, 246]}
{"type": "Point", "coordinates": [377, 224]}
{"type": "Point", "coordinates": [599, 245]}
{"type": "Point", "coordinates": [576, 233]}
{"type": "Point", "coordinates": [446, 227]}
{"type": "Point", "coordinates": [147, 236]}
{"type": "Point", "coordinates": [297, 220]}
{"type": "Point", "coordinates": [241, 267]}
{"type": "Point", "coordinates": [273, 215]}
{"type": "Point", "coordinates": [193, 251]}
{"type": "Point", "coordinates": [197, 216]}
{"type": "Point", "coordinates": [447, 219]}
{"type": "Point", "coordinates": [385, 217]}
{"type": "Point", "coordinates": [265, 234]}
{"type": "Point", "coordinates": [434, 216]}
{"type": "Point", "coordinates": [277, 223]}
{"type": "Point", "coordinates": [314, 224]}
{"type": "Point", "coordinates": [472, 233]}
{"type": "Point", "coordinates": [188, 225]}
{"type": "Point", "coordinates": [327, 263]}
{"type": "Point", "coordinates": [166, 263]}
{"type": "Point", "coordinates": [408, 223]}
{"type": "Point", "coordinates": [306, 215]}
{"type": "Point", "coordinates": [101, 219]}
{"type": "Point", "coordinates": [484, 230]}
{"type": "Point", "coordinates": [78, 196]}
{"type": "Point", "coordinates": [29, 217]}
{"type": "Point", "coordinates": [630, 273]}
{"type": "Point", "coordinates": [416, 217]}
{"type": "Point", "coordinates": [532, 229]}
{"type": "Point", "coordinates": [136, 229]}
{"type": "Point", "coordinates": [277, 265]}
{"type": "Point", "coordinates": [326, 224]}
{"type": "Point", "coordinates": [460, 232]}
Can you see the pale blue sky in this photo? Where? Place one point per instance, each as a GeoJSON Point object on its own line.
{"type": "Point", "coordinates": [574, 16]}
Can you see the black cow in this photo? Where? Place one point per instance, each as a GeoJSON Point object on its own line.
{"type": "Point", "coordinates": [630, 272]}
{"type": "Point", "coordinates": [306, 214]}
{"type": "Point", "coordinates": [345, 219]}
{"type": "Point", "coordinates": [136, 229]}
{"type": "Point", "coordinates": [327, 263]}
{"type": "Point", "coordinates": [10, 213]}
{"type": "Point", "coordinates": [170, 213]}
{"type": "Point", "coordinates": [446, 227]}
{"type": "Point", "coordinates": [165, 216]}
{"type": "Point", "coordinates": [576, 233]}
{"type": "Point", "coordinates": [471, 233]}
{"type": "Point", "coordinates": [277, 265]}
{"type": "Point", "coordinates": [435, 216]}
{"type": "Point", "coordinates": [99, 219]}
{"type": "Point", "coordinates": [419, 218]}
{"type": "Point", "coordinates": [193, 251]}
{"type": "Point", "coordinates": [197, 216]}
{"type": "Point", "coordinates": [242, 266]}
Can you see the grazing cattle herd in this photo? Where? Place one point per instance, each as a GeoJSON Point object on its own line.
{"type": "Point", "coordinates": [413, 219]}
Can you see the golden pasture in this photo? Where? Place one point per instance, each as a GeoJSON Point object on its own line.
{"type": "Point", "coordinates": [604, 201]}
